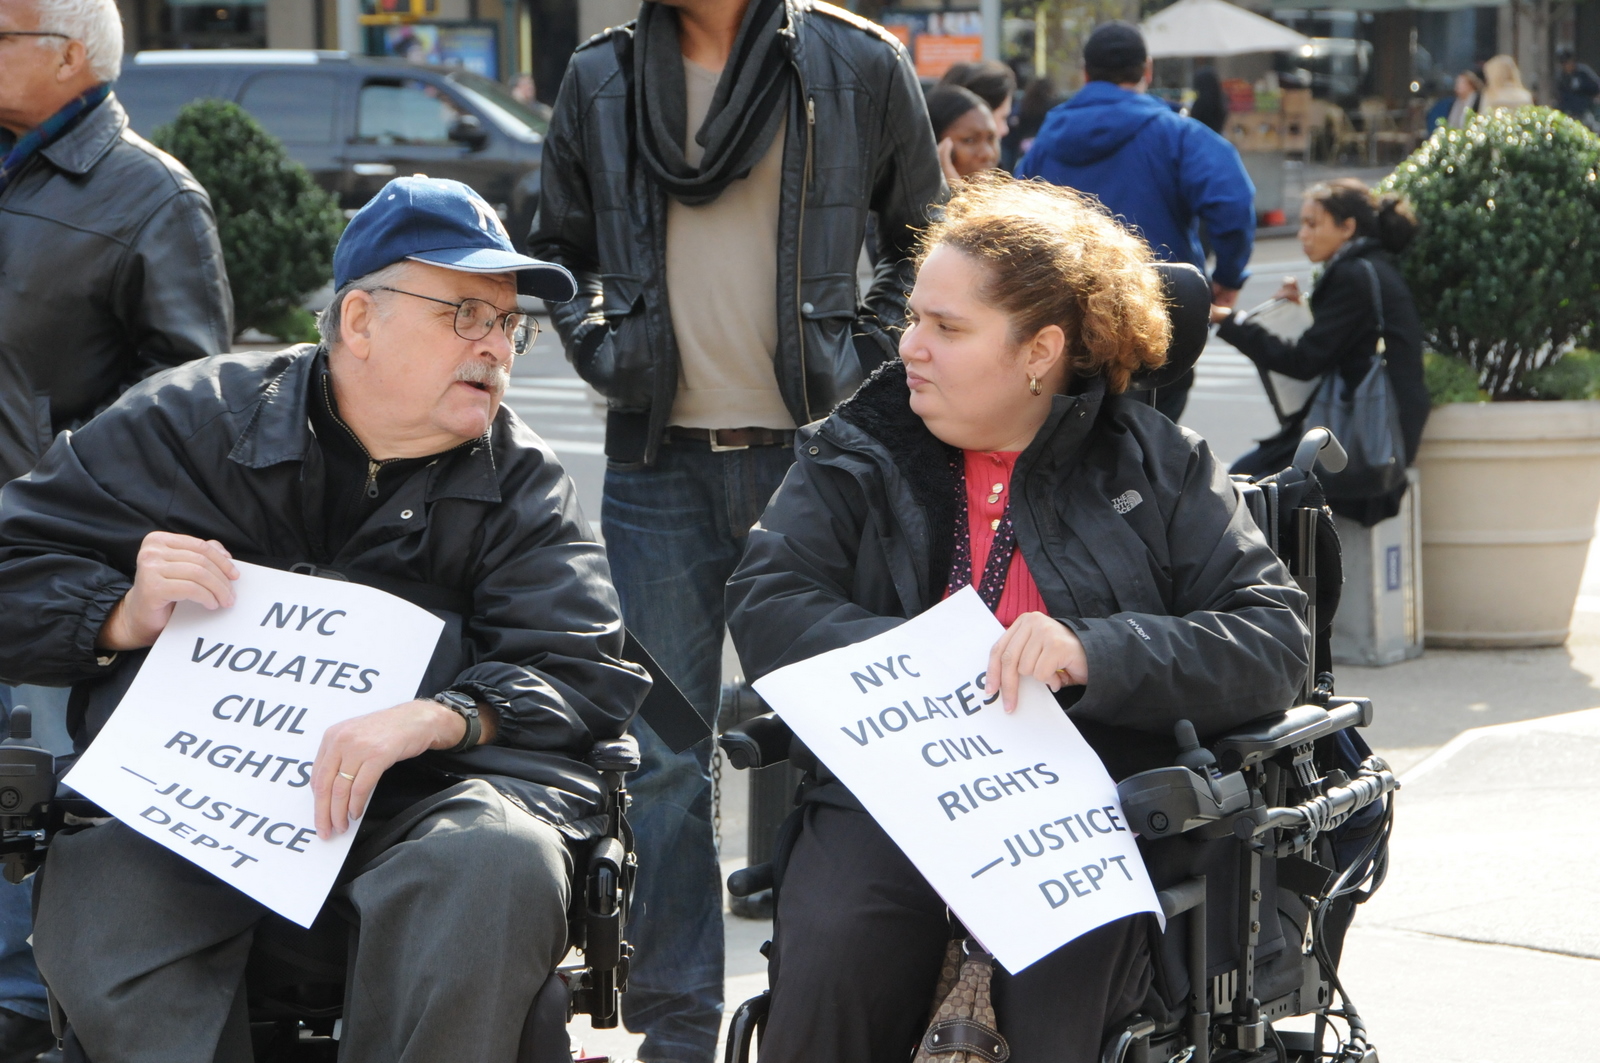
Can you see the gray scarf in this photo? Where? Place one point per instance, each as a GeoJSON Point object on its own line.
{"type": "Point", "coordinates": [746, 109]}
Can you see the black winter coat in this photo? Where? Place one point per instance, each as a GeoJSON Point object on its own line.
{"type": "Point", "coordinates": [859, 141]}
{"type": "Point", "coordinates": [222, 449]}
{"type": "Point", "coordinates": [110, 270]}
{"type": "Point", "coordinates": [1344, 336]}
{"type": "Point", "coordinates": [1132, 531]}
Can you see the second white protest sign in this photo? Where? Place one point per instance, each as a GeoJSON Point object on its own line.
{"type": "Point", "coordinates": [210, 751]}
{"type": "Point", "coordinates": [1011, 817]}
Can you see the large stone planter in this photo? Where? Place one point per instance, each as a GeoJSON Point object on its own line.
{"type": "Point", "coordinates": [1509, 496]}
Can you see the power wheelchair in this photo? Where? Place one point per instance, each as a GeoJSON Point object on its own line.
{"type": "Point", "coordinates": [296, 978]}
{"type": "Point", "coordinates": [1295, 808]}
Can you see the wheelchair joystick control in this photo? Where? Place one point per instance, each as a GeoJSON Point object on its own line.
{"type": "Point", "coordinates": [1197, 758]}
{"type": "Point", "coordinates": [22, 725]}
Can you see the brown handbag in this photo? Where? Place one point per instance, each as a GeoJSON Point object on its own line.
{"type": "Point", "coordinates": [962, 1027]}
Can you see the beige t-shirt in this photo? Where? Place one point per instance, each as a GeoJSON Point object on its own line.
{"type": "Point", "coordinates": [722, 288]}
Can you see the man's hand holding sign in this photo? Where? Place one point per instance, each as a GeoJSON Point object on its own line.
{"type": "Point", "coordinates": [267, 710]}
{"type": "Point", "coordinates": [1008, 814]}
{"type": "Point", "coordinates": [354, 753]}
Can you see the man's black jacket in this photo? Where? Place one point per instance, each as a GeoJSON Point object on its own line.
{"type": "Point", "coordinates": [110, 269]}
{"type": "Point", "coordinates": [222, 449]}
{"type": "Point", "coordinates": [858, 141]}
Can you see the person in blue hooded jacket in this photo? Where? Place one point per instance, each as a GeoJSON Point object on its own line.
{"type": "Point", "coordinates": [1159, 172]}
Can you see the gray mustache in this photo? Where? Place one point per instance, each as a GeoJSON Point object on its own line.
{"type": "Point", "coordinates": [497, 377]}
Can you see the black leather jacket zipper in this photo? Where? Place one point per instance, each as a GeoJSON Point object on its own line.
{"type": "Point", "coordinates": [373, 464]}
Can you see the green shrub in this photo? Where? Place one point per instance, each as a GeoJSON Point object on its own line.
{"type": "Point", "coordinates": [1575, 375]}
{"type": "Point", "coordinates": [1506, 267]}
{"type": "Point", "coordinates": [278, 229]}
{"type": "Point", "coordinates": [1450, 380]}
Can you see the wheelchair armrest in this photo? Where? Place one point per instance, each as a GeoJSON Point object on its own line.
{"type": "Point", "coordinates": [1262, 738]}
{"type": "Point", "coordinates": [757, 743]}
{"type": "Point", "coordinates": [1165, 802]}
{"type": "Point", "coordinates": [614, 754]}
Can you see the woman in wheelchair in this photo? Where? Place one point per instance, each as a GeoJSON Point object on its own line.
{"type": "Point", "coordinates": [1001, 451]}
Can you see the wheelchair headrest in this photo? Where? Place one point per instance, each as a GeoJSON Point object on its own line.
{"type": "Point", "coordinates": [1189, 304]}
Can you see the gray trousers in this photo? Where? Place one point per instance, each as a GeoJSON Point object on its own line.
{"type": "Point", "coordinates": [460, 905]}
{"type": "Point", "coordinates": [857, 947]}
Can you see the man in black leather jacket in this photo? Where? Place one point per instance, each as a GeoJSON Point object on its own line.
{"type": "Point", "coordinates": [110, 269]}
{"type": "Point", "coordinates": [386, 457]}
{"type": "Point", "coordinates": [708, 178]}
{"type": "Point", "coordinates": [108, 248]}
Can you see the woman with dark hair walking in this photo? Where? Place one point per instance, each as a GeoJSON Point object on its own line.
{"type": "Point", "coordinates": [1353, 233]}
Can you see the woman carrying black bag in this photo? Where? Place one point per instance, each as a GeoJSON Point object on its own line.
{"type": "Point", "coordinates": [1362, 314]}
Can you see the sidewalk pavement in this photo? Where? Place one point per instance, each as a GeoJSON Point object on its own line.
{"type": "Point", "coordinates": [1482, 945]}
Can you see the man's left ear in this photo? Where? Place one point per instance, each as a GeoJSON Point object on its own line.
{"type": "Point", "coordinates": [74, 61]}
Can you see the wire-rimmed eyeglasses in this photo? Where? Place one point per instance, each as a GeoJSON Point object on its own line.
{"type": "Point", "coordinates": [476, 318]}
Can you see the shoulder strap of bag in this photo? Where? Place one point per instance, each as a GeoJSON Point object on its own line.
{"type": "Point", "coordinates": [1377, 301]}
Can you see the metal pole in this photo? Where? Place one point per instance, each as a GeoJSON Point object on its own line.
{"type": "Point", "coordinates": [989, 12]}
{"type": "Point", "coordinates": [349, 12]}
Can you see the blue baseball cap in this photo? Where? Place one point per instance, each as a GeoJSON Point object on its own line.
{"type": "Point", "coordinates": [443, 223]}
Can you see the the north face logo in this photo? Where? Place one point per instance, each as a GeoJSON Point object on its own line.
{"type": "Point", "coordinates": [488, 220]}
{"type": "Point", "coordinates": [1125, 502]}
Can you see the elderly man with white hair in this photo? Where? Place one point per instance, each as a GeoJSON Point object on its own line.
{"type": "Point", "coordinates": [111, 270]}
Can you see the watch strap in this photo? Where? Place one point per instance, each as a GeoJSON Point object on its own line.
{"type": "Point", "coordinates": [466, 707]}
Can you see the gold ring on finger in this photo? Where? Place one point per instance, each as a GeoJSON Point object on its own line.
{"type": "Point", "coordinates": [347, 775]}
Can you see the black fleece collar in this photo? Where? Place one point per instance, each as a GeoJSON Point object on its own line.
{"type": "Point", "coordinates": [881, 408]}
{"type": "Point", "coordinates": [280, 431]}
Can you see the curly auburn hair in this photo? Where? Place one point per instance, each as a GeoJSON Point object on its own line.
{"type": "Point", "coordinates": [1057, 257]}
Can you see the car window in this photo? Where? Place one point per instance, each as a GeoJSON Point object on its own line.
{"type": "Point", "coordinates": [509, 113]}
{"type": "Point", "coordinates": [152, 95]}
{"type": "Point", "coordinates": [297, 108]}
{"type": "Point", "coordinates": [405, 112]}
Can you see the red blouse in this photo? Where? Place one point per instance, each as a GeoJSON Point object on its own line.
{"type": "Point", "coordinates": [988, 487]}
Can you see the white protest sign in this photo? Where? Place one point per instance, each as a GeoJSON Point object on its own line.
{"type": "Point", "coordinates": [210, 751]}
{"type": "Point", "coordinates": [1012, 818]}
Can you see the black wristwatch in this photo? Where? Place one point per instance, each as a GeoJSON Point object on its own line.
{"type": "Point", "coordinates": [467, 707]}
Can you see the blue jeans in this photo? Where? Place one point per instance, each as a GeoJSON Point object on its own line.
{"type": "Point", "coordinates": [21, 990]}
{"type": "Point", "coordinates": [674, 533]}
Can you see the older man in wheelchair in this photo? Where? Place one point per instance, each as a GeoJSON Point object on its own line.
{"type": "Point", "coordinates": [1134, 579]}
{"type": "Point", "coordinates": [382, 457]}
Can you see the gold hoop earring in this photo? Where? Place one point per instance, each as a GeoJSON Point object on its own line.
{"type": "Point", "coordinates": [1033, 385]}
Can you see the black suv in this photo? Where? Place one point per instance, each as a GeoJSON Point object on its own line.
{"type": "Point", "coordinates": [356, 122]}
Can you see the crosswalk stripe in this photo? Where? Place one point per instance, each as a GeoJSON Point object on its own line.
{"type": "Point", "coordinates": [575, 446]}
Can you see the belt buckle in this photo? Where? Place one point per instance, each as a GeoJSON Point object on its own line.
{"type": "Point", "coordinates": [718, 448]}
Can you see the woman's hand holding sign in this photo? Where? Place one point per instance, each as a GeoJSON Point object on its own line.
{"type": "Point", "coordinates": [356, 752]}
{"type": "Point", "coordinates": [1039, 646]}
{"type": "Point", "coordinates": [170, 569]}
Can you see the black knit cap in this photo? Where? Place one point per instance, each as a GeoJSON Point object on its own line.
{"type": "Point", "coordinates": [1115, 46]}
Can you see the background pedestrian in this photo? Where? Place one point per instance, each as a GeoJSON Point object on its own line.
{"type": "Point", "coordinates": [964, 130]}
{"type": "Point", "coordinates": [1353, 233]}
{"type": "Point", "coordinates": [713, 209]}
{"type": "Point", "coordinates": [1577, 85]}
{"type": "Point", "coordinates": [992, 82]}
{"type": "Point", "coordinates": [1452, 110]}
{"type": "Point", "coordinates": [1156, 170]}
{"type": "Point", "coordinates": [112, 271]}
{"type": "Point", "coordinates": [1503, 85]}
{"type": "Point", "coordinates": [1210, 107]}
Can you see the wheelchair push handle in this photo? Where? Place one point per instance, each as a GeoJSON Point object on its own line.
{"type": "Point", "coordinates": [1317, 445]}
{"type": "Point", "coordinates": [1332, 807]}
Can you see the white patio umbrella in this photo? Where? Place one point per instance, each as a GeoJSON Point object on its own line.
{"type": "Point", "coordinates": [1214, 28]}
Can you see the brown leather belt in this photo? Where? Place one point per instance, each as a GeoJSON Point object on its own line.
{"type": "Point", "coordinates": [732, 438]}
